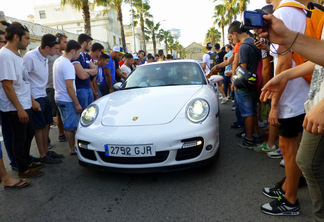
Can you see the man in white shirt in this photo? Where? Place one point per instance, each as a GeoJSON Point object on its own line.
{"type": "Point", "coordinates": [65, 91]}
{"type": "Point", "coordinates": [206, 59]}
{"type": "Point", "coordinates": [36, 62]}
{"type": "Point", "coordinates": [126, 67]}
{"type": "Point", "coordinates": [15, 98]}
{"type": "Point", "coordinates": [288, 114]}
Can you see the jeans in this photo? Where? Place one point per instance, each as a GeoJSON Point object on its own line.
{"type": "Point", "coordinates": [247, 102]}
{"type": "Point", "coordinates": [69, 116]}
{"type": "Point", "coordinates": [310, 159]}
{"type": "Point", "coordinates": [85, 97]}
{"type": "Point", "coordinates": [22, 136]}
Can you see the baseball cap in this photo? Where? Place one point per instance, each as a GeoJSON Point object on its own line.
{"type": "Point", "coordinates": [135, 56]}
{"type": "Point", "coordinates": [209, 45]}
{"type": "Point", "coordinates": [118, 49]}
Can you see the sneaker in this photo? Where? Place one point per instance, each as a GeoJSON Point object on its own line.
{"type": "Point", "coordinates": [34, 159]}
{"type": "Point", "coordinates": [32, 172]}
{"type": "Point", "coordinates": [264, 148]}
{"type": "Point", "coordinates": [62, 138]}
{"type": "Point", "coordinates": [273, 192]}
{"type": "Point", "coordinates": [276, 154]}
{"type": "Point", "coordinates": [224, 100]}
{"type": "Point", "coordinates": [235, 126]}
{"type": "Point", "coordinates": [282, 163]}
{"type": "Point", "coordinates": [281, 207]}
{"type": "Point", "coordinates": [246, 143]}
{"type": "Point", "coordinates": [240, 134]}
{"type": "Point", "coordinates": [262, 123]}
{"type": "Point", "coordinates": [233, 108]}
{"type": "Point", "coordinates": [55, 155]}
{"type": "Point", "coordinates": [37, 166]}
{"type": "Point", "coordinates": [50, 146]}
{"type": "Point", "coordinates": [49, 160]}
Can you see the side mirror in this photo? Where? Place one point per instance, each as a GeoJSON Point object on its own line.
{"type": "Point", "coordinates": [215, 78]}
{"type": "Point", "coordinates": [117, 85]}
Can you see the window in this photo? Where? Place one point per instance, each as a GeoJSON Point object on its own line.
{"type": "Point", "coordinates": [42, 14]}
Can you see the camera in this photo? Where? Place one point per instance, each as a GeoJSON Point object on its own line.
{"type": "Point", "coordinates": [253, 20]}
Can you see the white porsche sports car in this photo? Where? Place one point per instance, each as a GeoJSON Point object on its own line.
{"type": "Point", "coordinates": [165, 116]}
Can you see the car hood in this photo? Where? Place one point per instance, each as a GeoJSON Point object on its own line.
{"type": "Point", "coordinates": [146, 106]}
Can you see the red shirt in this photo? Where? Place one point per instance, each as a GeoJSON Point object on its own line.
{"type": "Point", "coordinates": [236, 48]}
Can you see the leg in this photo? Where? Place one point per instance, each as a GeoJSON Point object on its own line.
{"type": "Point", "coordinates": [59, 124]}
{"type": "Point", "coordinates": [289, 147]}
{"type": "Point", "coordinates": [70, 137]}
{"type": "Point", "coordinates": [7, 138]}
{"type": "Point", "coordinates": [310, 159]}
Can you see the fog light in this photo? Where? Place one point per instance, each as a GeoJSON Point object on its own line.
{"type": "Point", "coordinates": [191, 144]}
{"type": "Point", "coordinates": [209, 147]}
{"type": "Point", "coordinates": [83, 144]}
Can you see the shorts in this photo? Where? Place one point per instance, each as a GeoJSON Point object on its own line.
{"type": "Point", "coordinates": [290, 127]}
{"type": "Point", "coordinates": [69, 116]}
{"type": "Point", "coordinates": [43, 117]}
{"type": "Point", "coordinates": [50, 95]}
{"type": "Point", "coordinates": [85, 97]}
{"type": "Point", "coordinates": [247, 102]}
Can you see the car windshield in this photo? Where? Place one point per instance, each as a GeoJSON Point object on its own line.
{"type": "Point", "coordinates": [165, 74]}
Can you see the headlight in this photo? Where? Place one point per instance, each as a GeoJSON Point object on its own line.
{"type": "Point", "coordinates": [89, 115]}
{"type": "Point", "coordinates": [198, 110]}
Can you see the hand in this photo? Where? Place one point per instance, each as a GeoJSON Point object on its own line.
{"type": "Point", "coordinates": [273, 116]}
{"type": "Point", "coordinates": [111, 90]}
{"type": "Point", "coordinates": [273, 88]}
{"type": "Point", "coordinates": [95, 96]}
{"type": "Point", "coordinates": [78, 108]}
{"type": "Point", "coordinates": [314, 121]}
{"type": "Point", "coordinates": [229, 73]}
{"type": "Point", "coordinates": [23, 116]}
{"type": "Point", "coordinates": [260, 44]}
{"type": "Point", "coordinates": [277, 32]}
{"type": "Point", "coordinates": [36, 106]}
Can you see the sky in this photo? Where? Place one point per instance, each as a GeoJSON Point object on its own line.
{"type": "Point", "coordinates": [194, 18]}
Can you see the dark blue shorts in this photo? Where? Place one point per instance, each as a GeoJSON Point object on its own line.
{"type": "Point", "coordinates": [43, 117]}
{"type": "Point", "coordinates": [247, 102]}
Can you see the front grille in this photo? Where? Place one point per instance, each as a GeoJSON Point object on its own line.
{"type": "Point", "coordinates": [88, 154]}
{"type": "Point", "coordinates": [189, 153]}
{"type": "Point", "coordinates": [158, 158]}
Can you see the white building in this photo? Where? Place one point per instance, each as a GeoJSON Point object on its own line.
{"type": "Point", "coordinates": [104, 23]}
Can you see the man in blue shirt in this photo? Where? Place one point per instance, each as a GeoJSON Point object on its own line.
{"type": "Point", "coordinates": [84, 70]}
{"type": "Point", "coordinates": [110, 70]}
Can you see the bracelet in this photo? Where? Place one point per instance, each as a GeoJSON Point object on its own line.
{"type": "Point", "coordinates": [289, 48]}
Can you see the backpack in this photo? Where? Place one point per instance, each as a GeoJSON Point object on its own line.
{"type": "Point", "coordinates": [314, 26]}
{"type": "Point", "coordinates": [214, 60]}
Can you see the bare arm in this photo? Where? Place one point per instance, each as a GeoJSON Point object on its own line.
{"type": "Point", "coordinates": [92, 70]}
{"type": "Point", "coordinates": [71, 91]}
{"type": "Point", "coordinates": [108, 79]}
{"type": "Point", "coordinates": [80, 71]}
{"type": "Point", "coordinates": [120, 74]}
{"type": "Point", "coordinates": [306, 46]}
{"type": "Point", "coordinates": [12, 96]}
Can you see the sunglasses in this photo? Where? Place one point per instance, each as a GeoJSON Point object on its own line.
{"type": "Point", "coordinates": [57, 41]}
{"type": "Point", "coordinates": [60, 35]}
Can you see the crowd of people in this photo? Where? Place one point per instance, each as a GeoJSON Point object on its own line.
{"type": "Point", "coordinates": [268, 84]}
{"type": "Point", "coordinates": [52, 84]}
{"type": "Point", "coordinates": [60, 78]}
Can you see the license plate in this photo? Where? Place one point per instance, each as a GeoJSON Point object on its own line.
{"type": "Point", "coordinates": [130, 150]}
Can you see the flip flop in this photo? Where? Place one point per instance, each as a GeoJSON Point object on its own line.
{"type": "Point", "coordinates": [19, 184]}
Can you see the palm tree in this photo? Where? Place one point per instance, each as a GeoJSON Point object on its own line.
{"type": "Point", "coordinates": [221, 20]}
{"type": "Point", "coordinates": [231, 8]}
{"type": "Point", "coordinates": [190, 52]}
{"type": "Point", "coordinates": [84, 6]}
{"type": "Point", "coordinates": [152, 30]}
{"type": "Point", "coordinates": [164, 36]}
{"type": "Point", "coordinates": [116, 5]}
{"type": "Point", "coordinates": [242, 7]}
{"type": "Point", "coordinates": [213, 36]}
{"type": "Point", "coordinates": [141, 14]}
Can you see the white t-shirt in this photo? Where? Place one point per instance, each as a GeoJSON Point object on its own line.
{"type": "Point", "coordinates": [12, 67]}
{"type": "Point", "coordinates": [316, 93]}
{"type": "Point", "coordinates": [37, 66]}
{"type": "Point", "coordinates": [125, 69]}
{"type": "Point", "coordinates": [295, 94]}
{"type": "Point", "coordinates": [62, 70]}
{"type": "Point", "coordinates": [206, 59]}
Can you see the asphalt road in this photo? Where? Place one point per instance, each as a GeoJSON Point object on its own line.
{"type": "Point", "coordinates": [227, 190]}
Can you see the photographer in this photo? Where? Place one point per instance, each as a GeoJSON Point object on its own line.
{"type": "Point", "coordinates": [311, 151]}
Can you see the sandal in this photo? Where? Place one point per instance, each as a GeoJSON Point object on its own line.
{"type": "Point", "coordinates": [20, 184]}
